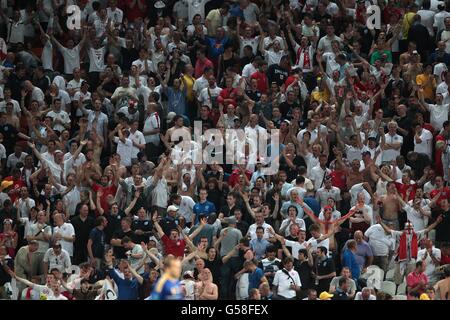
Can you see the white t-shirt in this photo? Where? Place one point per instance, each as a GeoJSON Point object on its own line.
{"type": "Point", "coordinates": [287, 223]}
{"type": "Point", "coordinates": [196, 7]}
{"type": "Point", "coordinates": [418, 220]}
{"type": "Point", "coordinates": [283, 282]}
{"type": "Point", "coordinates": [438, 115]}
{"type": "Point", "coordinates": [62, 116]}
{"type": "Point", "coordinates": [315, 244]}
{"type": "Point", "coordinates": [252, 42]}
{"type": "Point", "coordinates": [296, 247]}
{"type": "Point", "coordinates": [60, 262]}
{"type": "Point", "coordinates": [186, 207]}
{"type": "Point", "coordinates": [124, 149]}
{"type": "Point", "coordinates": [47, 56]}
{"type": "Point", "coordinates": [391, 154]}
{"type": "Point", "coordinates": [71, 58]}
{"type": "Point", "coordinates": [141, 65]}
{"type": "Point", "coordinates": [438, 71]}
{"type": "Point", "coordinates": [430, 267]}
{"type": "Point", "coordinates": [273, 57]}
{"type": "Point", "coordinates": [66, 230]}
{"type": "Point", "coordinates": [152, 122]}
{"type": "Point", "coordinates": [96, 59]}
{"type": "Point", "coordinates": [138, 138]}
{"type": "Point", "coordinates": [426, 146]}
{"type": "Point", "coordinates": [379, 241]}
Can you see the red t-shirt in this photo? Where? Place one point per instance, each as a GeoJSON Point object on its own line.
{"type": "Point", "coordinates": [15, 188]}
{"type": "Point", "coordinates": [445, 260]}
{"type": "Point", "coordinates": [445, 193]}
{"type": "Point", "coordinates": [339, 179]}
{"type": "Point", "coordinates": [109, 190]}
{"type": "Point", "coordinates": [263, 83]}
{"type": "Point", "coordinates": [200, 67]}
{"type": "Point", "coordinates": [234, 177]}
{"type": "Point", "coordinates": [173, 247]}
{"type": "Point", "coordinates": [132, 13]}
{"type": "Point", "coordinates": [403, 188]}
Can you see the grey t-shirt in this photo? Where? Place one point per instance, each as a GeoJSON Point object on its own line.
{"type": "Point", "coordinates": [335, 283]}
{"type": "Point", "coordinates": [230, 241]}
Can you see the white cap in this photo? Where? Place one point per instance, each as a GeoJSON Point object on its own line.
{"type": "Point", "coordinates": [172, 208]}
{"type": "Point", "coordinates": [170, 116]}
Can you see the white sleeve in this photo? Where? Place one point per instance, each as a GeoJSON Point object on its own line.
{"type": "Point", "coordinates": [276, 279]}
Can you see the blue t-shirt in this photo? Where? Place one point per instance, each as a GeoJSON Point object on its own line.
{"type": "Point", "coordinates": [98, 242]}
{"type": "Point", "coordinates": [203, 209]}
{"type": "Point", "coordinates": [254, 278]}
{"type": "Point", "coordinates": [349, 260]}
{"type": "Point", "coordinates": [166, 289]}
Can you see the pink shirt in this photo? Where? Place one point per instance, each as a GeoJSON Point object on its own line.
{"type": "Point", "coordinates": [200, 66]}
{"type": "Point", "coordinates": [413, 279]}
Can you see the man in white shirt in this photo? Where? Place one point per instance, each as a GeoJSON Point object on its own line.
{"type": "Point", "coordinates": [423, 141]}
{"type": "Point", "coordinates": [319, 172]}
{"type": "Point", "coordinates": [71, 53]}
{"type": "Point", "coordinates": [432, 258]}
{"type": "Point", "coordinates": [392, 143]}
{"type": "Point", "coordinates": [64, 233]}
{"type": "Point", "coordinates": [325, 42]}
{"type": "Point", "coordinates": [56, 258]}
{"type": "Point", "coordinates": [61, 120]}
{"type": "Point", "coordinates": [287, 281]}
{"type": "Point", "coordinates": [124, 145]}
{"type": "Point", "coordinates": [381, 244]}
{"type": "Point", "coordinates": [328, 191]}
{"type": "Point", "coordinates": [137, 138]}
{"type": "Point", "coordinates": [114, 14]}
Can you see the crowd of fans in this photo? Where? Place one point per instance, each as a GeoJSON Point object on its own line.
{"type": "Point", "coordinates": [95, 195]}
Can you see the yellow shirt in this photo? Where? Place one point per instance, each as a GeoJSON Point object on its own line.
{"type": "Point", "coordinates": [189, 82]}
{"type": "Point", "coordinates": [215, 20]}
{"type": "Point", "coordinates": [407, 22]}
{"type": "Point", "coordinates": [427, 85]}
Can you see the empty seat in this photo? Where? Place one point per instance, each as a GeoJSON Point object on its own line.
{"type": "Point", "coordinates": [390, 275]}
{"type": "Point", "coordinates": [388, 287]}
{"type": "Point", "coordinates": [400, 297]}
{"type": "Point", "coordinates": [401, 288]}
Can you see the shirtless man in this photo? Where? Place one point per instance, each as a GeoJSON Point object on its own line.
{"type": "Point", "coordinates": [328, 225]}
{"type": "Point", "coordinates": [443, 286]}
{"type": "Point", "coordinates": [167, 139]}
{"type": "Point", "coordinates": [389, 205]}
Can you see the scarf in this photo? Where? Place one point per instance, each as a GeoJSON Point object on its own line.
{"type": "Point", "coordinates": [402, 254]}
{"type": "Point", "coordinates": [303, 59]}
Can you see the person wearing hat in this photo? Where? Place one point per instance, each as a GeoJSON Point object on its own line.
{"type": "Point", "coordinates": [188, 285]}
{"type": "Point", "coordinates": [56, 257]}
{"type": "Point", "coordinates": [325, 296]}
{"type": "Point", "coordinates": [4, 189]}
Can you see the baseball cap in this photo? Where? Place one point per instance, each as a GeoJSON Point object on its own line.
{"type": "Point", "coordinates": [170, 116]}
{"type": "Point", "coordinates": [58, 151]}
{"type": "Point", "coordinates": [415, 52]}
{"type": "Point", "coordinates": [188, 274]}
{"type": "Point", "coordinates": [327, 208]}
{"type": "Point", "coordinates": [33, 242]}
{"type": "Point", "coordinates": [231, 220]}
{"type": "Point", "coordinates": [6, 184]}
{"type": "Point", "coordinates": [424, 296]}
{"type": "Point", "coordinates": [325, 295]}
{"type": "Point", "coordinates": [172, 208]}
